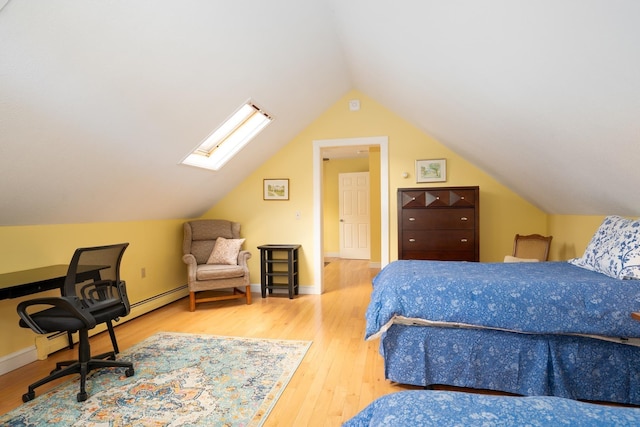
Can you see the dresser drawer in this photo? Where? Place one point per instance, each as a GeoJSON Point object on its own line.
{"type": "Point", "coordinates": [461, 197]}
{"type": "Point", "coordinates": [440, 255]}
{"type": "Point", "coordinates": [434, 198]}
{"type": "Point", "coordinates": [436, 219]}
{"type": "Point", "coordinates": [442, 240]}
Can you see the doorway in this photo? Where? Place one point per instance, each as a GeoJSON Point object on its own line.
{"type": "Point", "coordinates": [318, 258]}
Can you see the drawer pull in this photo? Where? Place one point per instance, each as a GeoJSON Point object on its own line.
{"type": "Point", "coordinates": [413, 198]}
{"type": "Point", "coordinates": [464, 218]}
{"type": "Point", "coordinates": [412, 240]}
{"type": "Point", "coordinates": [462, 198]}
{"type": "Point", "coordinates": [438, 198]}
{"type": "Point", "coordinates": [464, 240]}
{"type": "Point", "coordinates": [412, 219]}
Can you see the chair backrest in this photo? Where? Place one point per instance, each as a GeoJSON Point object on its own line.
{"type": "Point", "coordinates": [200, 236]}
{"type": "Point", "coordinates": [94, 277]}
{"type": "Point", "coordinates": [532, 246]}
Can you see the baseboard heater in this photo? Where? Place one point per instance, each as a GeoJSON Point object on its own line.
{"type": "Point", "coordinates": [181, 289]}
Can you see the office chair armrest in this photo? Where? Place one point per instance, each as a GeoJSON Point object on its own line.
{"type": "Point", "coordinates": [70, 304]}
{"type": "Point", "coordinates": [101, 293]}
{"type": "Point", "coordinates": [122, 290]}
{"type": "Point", "coordinates": [100, 290]}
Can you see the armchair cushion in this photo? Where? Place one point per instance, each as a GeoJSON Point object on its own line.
{"type": "Point", "coordinates": [218, 271]}
{"type": "Point", "coordinates": [225, 251]}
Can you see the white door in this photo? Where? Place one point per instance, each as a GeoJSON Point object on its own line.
{"type": "Point", "coordinates": [355, 234]}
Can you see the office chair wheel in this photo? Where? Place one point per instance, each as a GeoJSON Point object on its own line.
{"type": "Point", "coordinates": [28, 396]}
{"type": "Point", "coordinates": [82, 396]}
{"type": "Point", "coordinates": [129, 372]}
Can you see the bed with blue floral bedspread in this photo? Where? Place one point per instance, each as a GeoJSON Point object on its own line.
{"type": "Point", "coordinates": [444, 408]}
{"type": "Point", "coordinates": [536, 298]}
{"type": "Point", "coordinates": [549, 328]}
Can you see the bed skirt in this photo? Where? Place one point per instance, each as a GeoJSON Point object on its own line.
{"type": "Point", "coordinates": [531, 365]}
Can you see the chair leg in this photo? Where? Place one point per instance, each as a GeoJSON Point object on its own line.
{"type": "Point", "coordinates": [71, 369]}
{"type": "Point", "coordinates": [82, 395]}
{"type": "Point", "coordinates": [112, 334]}
{"type": "Point", "coordinates": [192, 301]}
{"type": "Point", "coordinates": [82, 366]}
{"type": "Point", "coordinates": [248, 294]}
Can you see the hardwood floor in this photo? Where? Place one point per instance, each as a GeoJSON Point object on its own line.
{"type": "Point", "coordinates": [339, 376]}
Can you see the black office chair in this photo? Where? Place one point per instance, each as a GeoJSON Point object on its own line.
{"type": "Point", "coordinates": [93, 294]}
{"type": "Point", "coordinates": [105, 274]}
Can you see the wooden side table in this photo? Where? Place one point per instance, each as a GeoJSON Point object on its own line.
{"type": "Point", "coordinates": [279, 262]}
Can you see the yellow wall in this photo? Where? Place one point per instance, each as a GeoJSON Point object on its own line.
{"type": "Point", "coordinates": [502, 212]}
{"type": "Point", "coordinates": [571, 234]}
{"type": "Point", "coordinates": [275, 221]}
{"type": "Point", "coordinates": [154, 245]}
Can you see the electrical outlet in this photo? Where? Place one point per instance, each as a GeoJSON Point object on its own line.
{"type": "Point", "coordinates": [298, 215]}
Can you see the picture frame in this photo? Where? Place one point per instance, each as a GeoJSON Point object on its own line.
{"type": "Point", "coordinates": [432, 170]}
{"type": "Point", "coordinates": [276, 189]}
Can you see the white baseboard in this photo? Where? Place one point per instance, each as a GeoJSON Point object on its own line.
{"type": "Point", "coordinates": [47, 344]}
{"type": "Point", "coordinates": [302, 290]}
{"type": "Point", "coordinates": [19, 358]}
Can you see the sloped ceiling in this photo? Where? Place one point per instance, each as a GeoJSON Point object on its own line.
{"type": "Point", "coordinates": [99, 101]}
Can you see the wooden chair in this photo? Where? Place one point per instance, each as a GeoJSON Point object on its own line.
{"type": "Point", "coordinates": [532, 246]}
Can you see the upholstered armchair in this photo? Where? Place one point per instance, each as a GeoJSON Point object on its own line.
{"type": "Point", "coordinates": [215, 261]}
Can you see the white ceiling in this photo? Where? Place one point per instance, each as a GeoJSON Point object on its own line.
{"type": "Point", "coordinates": [99, 101]}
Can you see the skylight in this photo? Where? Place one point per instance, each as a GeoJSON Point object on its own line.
{"type": "Point", "coordinates": [229, 138]}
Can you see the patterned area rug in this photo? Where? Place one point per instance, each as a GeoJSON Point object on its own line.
{"type": "Point", "coordinates": [180, 379]}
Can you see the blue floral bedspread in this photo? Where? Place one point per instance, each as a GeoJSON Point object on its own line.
{"type": "Point", "coordinates": [447, 408]}
{"type": "Point", "coordinates": [543, 298]}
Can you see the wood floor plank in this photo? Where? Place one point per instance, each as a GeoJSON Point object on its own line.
{"type": "Point", "coordinates": [339, 376]}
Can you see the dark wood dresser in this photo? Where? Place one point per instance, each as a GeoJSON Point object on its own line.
{"type": "Point", "coordinates": [439, 223]}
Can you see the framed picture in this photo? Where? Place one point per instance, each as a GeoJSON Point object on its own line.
{"type": "Point", "coordinates": [276, 189]}
{"type": "Point", "coordinates": [434, 170]}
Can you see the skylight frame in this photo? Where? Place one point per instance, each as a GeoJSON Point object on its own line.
{"type": "Point", "coordinates": [229, 137]}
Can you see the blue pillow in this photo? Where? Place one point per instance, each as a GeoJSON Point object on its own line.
{"type": "Point", "coordinates": [614, 249]}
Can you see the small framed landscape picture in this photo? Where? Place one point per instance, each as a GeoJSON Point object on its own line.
{"type": "Point", "coordinates": [434, 170]}
{"type": "Point", "coordinates": [276, 189]}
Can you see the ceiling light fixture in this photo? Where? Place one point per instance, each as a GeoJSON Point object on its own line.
{"type": "Point", "coordinates": [229, 138]}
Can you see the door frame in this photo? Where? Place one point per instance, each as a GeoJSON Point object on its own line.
{"type": "Point", "coordinates": [318, 244]}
